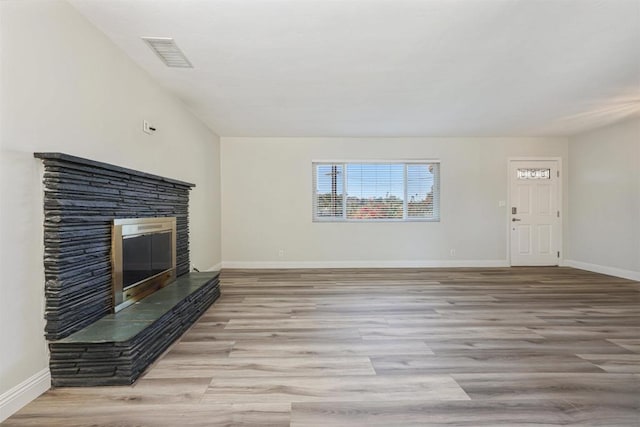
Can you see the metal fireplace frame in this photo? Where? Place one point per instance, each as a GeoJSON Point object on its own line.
{"type": "Point", "coordinates": [123, 228]}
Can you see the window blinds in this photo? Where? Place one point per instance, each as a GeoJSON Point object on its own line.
{"type": "Point", "coordinates": [390, 191]}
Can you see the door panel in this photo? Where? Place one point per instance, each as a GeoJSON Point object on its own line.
{"type": "Point", "coordinates": [523, 199]}
{"type": "Point", "coordinates": [544, 199]}
{"type": "Point", "coordinates": [544, 239]}
{"type": "Point", "coordinates": [524, 239]}
{"type": "Point", "coordinates": [534, 219]}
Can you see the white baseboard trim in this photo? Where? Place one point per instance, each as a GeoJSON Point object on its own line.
{"type": "Point", "coordinates": [602, 269]}
{"type": "Point", "coordinates": [363, 264]}
{"type": "Point", "coordinates": [14, 399]}
{"type": "Point", "coordinates": [216, 267]}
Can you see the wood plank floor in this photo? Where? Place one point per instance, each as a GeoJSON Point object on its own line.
{"type": "Point", "coordinates": [464, 347]}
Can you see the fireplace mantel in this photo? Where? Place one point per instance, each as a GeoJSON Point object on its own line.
{"type": "Point", "coordinates": [68, 158]}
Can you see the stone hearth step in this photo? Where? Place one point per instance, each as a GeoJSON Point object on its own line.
{"type": "Point", "coordinates": [116, 349]}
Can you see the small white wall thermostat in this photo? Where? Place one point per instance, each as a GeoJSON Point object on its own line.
{"type": "Point", "coordinates": [147, 128]}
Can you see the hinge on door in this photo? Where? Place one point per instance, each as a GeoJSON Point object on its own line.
{"type": "Point", "coordinates": [558, 214]}
{"type": "Point", "coordinates": [558, 254]}
{"type": "Point", "coordinates": [558, 174]}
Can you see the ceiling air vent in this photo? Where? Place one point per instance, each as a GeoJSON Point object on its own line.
{"type": "Point", "coordinates": [168, 52]}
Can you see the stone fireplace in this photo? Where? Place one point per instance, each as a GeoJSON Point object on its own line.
{"type": "Point", "coordinates": [95, 213]}
{"type": "Point", "coordinates": [82, 198]}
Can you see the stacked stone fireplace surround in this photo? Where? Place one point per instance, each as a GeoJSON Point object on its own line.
{"type": "Point", "coordinates": [81, 199]}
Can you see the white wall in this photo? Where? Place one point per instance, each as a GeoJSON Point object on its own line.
{"type": "Point", "coordinates": [604, 200]}
{"type": "Point", "coordinates": [267, 192]}
{"type": "Point", "coordinates": [65, 87]}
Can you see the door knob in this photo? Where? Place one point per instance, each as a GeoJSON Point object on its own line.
{"type": "Point", "coordinates": [515, 219]}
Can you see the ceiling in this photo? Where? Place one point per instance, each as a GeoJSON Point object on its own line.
{"type": "Point", "coordinates": [390, 67]}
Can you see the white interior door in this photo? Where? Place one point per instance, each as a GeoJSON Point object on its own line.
{"type": "Point", "coordinates": [535, 215]}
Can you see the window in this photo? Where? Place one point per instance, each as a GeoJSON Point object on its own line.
{"type": "Point", "coordinates": [389, 191]}
{"type": "Point", "coordinates": [544, 173]}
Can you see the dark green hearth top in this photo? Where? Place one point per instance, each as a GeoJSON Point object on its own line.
{"type": "Point", "coordinates": [107, 166]}
{"type": "Point", "coordinates": [126, 324]}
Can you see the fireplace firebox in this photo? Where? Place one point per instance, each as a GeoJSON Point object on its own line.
{"type": "Point", "coordinates": [143, 252]}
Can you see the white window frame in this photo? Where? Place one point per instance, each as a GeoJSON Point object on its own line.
{"type": "Point", "coordinates": [405, 218]}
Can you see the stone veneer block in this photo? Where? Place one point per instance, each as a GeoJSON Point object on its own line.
{"type": "Point", "coordinates": [116, 349]}
{"type": "Point", "coordinates": [81, 199]}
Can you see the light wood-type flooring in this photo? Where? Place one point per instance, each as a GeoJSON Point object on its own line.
{"type": "Point", "coordinates": [464, 347]}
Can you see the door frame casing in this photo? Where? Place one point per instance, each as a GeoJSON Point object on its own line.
{"type": "Point", "coordinates": [560, 202]}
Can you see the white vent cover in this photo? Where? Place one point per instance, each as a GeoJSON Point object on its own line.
{"type": "Point", "coordinates": [168, 52]}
